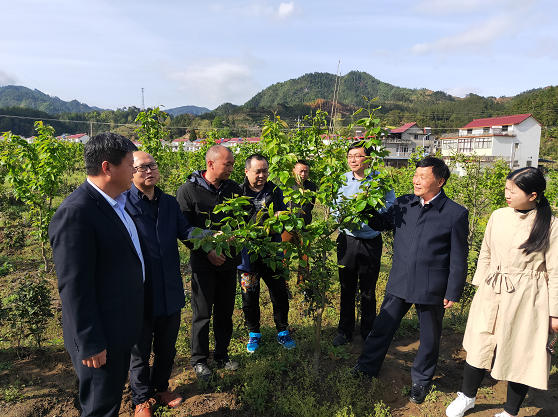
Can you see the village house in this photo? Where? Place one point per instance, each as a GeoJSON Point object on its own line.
{"type": "Point", "coordinates": [515, 139]}
{"type": "Point", "coordinates": [403, 141]}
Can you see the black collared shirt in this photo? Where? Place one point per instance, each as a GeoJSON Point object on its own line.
{"type": "Point", "coordinates": [153, 204]}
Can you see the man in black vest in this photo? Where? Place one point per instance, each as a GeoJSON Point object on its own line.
{"type": "Point", "coordinates": [429, 270]}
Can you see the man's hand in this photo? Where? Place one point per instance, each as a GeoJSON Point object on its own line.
{"type": "Point", "coordinates": [553, 327]}
{"type": "Point", "coordinates": [447, 303]}
{"type": "Point", "coordinates": [96, 361]}
{"type": "Point", "coordinates": [214, 259]}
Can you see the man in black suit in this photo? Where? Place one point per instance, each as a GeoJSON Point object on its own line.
{"type": "Point", "coordinates": [161, 222]}
{"type": "Point", "coordinates": [429, 270]}
{"type": "Point", "coordinates": [101, 274]}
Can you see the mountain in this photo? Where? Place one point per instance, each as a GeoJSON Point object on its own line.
{"type": "Point", "coordinates": [15, 95]}
{"type": "Point", "coordinates": [177, 111]}
{"type": "Point", "coordinates": [352, 87]}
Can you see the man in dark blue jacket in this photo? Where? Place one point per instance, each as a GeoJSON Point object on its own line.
{"type": "Point", "coordinates": [161, 222]}
{"type": "Point", "coordinates": [213, 277]}
{"type": "Point", "coordinates": [429, 270]}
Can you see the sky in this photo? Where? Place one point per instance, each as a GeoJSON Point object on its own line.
{"type": "Point", "coordinates": [206, 53]}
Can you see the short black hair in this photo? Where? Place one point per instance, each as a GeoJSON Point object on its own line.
{"type": "Point", "coordinates": [257, 157]}
{"type": "Point", "coordinates": [302, 162]}
{"type": "Point", "coordinates": [360, 144]}
{"type": "Point", "coordinates": [439, 167]}
{"type": "Point", "coordinates": [107, 146]}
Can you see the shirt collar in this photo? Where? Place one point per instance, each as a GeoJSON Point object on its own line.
{"type": "Point", "coordinates": [120, 199]}
{"type": "Point", "coordinates": [156, 194]}
{"type": "Point", "coordinates": [431, 200]}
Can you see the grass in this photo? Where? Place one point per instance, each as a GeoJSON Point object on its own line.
{"type": "Point", "coordinates": [272, 380]}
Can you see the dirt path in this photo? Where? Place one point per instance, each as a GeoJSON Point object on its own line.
{"type": "Point", "coordinates": [48, 386]}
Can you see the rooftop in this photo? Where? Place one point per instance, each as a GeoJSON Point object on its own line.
{"type": "Point", "coordinates": [498, 121]}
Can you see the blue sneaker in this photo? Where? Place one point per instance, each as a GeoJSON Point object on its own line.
{"type": "Point", "coordinates": [286, 340]}
{"type": "Point", "coordinates": [254, 342]}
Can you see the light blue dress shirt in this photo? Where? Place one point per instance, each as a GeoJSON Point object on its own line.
{"type": "Point", "coordinates": [351, 189]}
{"type": "Point", "coordinates": [118, 204]}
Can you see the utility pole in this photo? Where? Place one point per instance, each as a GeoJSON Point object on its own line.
{"type": "Point", "coordinates": [335, 95]}
{"type": "Point", "coordinates": [142, 101]}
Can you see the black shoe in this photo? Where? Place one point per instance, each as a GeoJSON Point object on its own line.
{"type": "Point", "coordinates": [418, 393]}
{"type": "Point", "coordinates": [357, 372]}
{"type": "Point", "coordinates": [340, 340]}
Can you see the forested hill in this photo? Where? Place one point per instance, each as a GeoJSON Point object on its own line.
{"type": "Point", "coordinates": [352, 87]}
{"type": "Point", "coordinates": [15, 95]}
{"type": "Point", "coordinates": [195, 110]}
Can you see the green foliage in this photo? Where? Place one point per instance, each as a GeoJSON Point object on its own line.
{"type": "Point", "coordinates": [34, 171]}
{"type": "Point", "coordinates": [481, 191]}
{"type": "Point", "coordinates": [551, 192]}
{"type": "Point", "coordinates": [152, 132]}
{"type": "Point", "coordinates": [328, 164]}
{"type": "Point", "coordinates": [29, 309]}
{"type": "Point", "coordinates": [14, 237]}
{"type": "Point", "coordinates": [12, 393]}
{"type": "Point", "coordinates": [6, 268]}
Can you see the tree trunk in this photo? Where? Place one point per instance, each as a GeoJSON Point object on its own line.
{"type": "Point", "coordinates": [317, 337]}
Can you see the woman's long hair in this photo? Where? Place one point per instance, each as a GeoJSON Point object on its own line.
{"type": "Point", "coordinates": [531, 180]}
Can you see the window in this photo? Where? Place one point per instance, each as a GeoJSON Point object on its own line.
{"type": "Point", "coordinates": [529, 163]}
{"type": "Point", "coordinates": [449, 144]}
{"type": "Point", "coordinates": [483, 143]}
{"type": "Point", "coordinates": [505, 128]}
{"type": "Point", "coordinates": [485, 130]}
{"type": "Point", "coordinates": [465, 145]}
{"type": "Point", "coordinates": [416, 137]}
{"type": "Point", "coordinates": [469, 131]}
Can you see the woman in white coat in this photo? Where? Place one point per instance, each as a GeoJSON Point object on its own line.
{"type": "Point", "coordinates": [516, 304]}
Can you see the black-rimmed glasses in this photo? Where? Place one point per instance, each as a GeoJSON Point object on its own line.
{"type": "Point", "coordinates": [142, 168]}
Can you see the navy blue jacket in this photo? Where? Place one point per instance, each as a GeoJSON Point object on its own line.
{"type": "Point", "coordinates": [429, 249]}
{"type": "Point", "coordinates": [161, 238]}
{"type": "Point", "coordinates": [100, 277]}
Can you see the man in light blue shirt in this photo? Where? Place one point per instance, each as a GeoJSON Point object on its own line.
{"type": "Point", "coordinates": [359, 251]}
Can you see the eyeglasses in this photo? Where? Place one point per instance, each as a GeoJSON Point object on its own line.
{"type": "Point", "coordinates": [142, 168]}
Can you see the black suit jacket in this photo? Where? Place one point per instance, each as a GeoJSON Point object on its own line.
{"type": "Point", "coordinates": [99, 274]}
{"type": "Point", "coordinates": [429, 249]}
{"type": "Point", "coordinates": [161, 236]}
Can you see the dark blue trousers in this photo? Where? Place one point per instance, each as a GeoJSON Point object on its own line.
{"type": "Point", "coordinates": [377, 343]}
{"type": "Point", "coordinates": [161, 333]}
{"type": "Point", "coordinates": [100, 389]}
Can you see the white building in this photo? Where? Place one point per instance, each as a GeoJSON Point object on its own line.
{"type": "Point", "coordinates": [516, 139]}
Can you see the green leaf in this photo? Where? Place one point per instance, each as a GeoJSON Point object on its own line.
{"type": "Point", "coordinates": [359, 206]}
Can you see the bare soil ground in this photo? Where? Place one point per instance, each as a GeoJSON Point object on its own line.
{"type": "Point", "coordinates": [48, 386]}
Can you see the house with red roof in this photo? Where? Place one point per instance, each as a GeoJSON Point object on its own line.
{"type": "Point", "coordinates": [403, 141]}
{"type": "Point", "coordinates": [77, 138]}
{"type": "Point", "coordinates": [516, 139]}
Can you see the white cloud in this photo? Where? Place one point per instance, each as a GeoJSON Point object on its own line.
{"type": "Point", "coordinates": [217, 82]}
{"type": "Point", "coordinates": [285, 10]}
{"type": "Point", "coordinates": [479, 37]}
{"type": "Point", "coordinates": [261, 8]}
{"type": "Point", "coordinates": [446, 7]}
{"type": "Point", "coordinates": [7, 79]}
